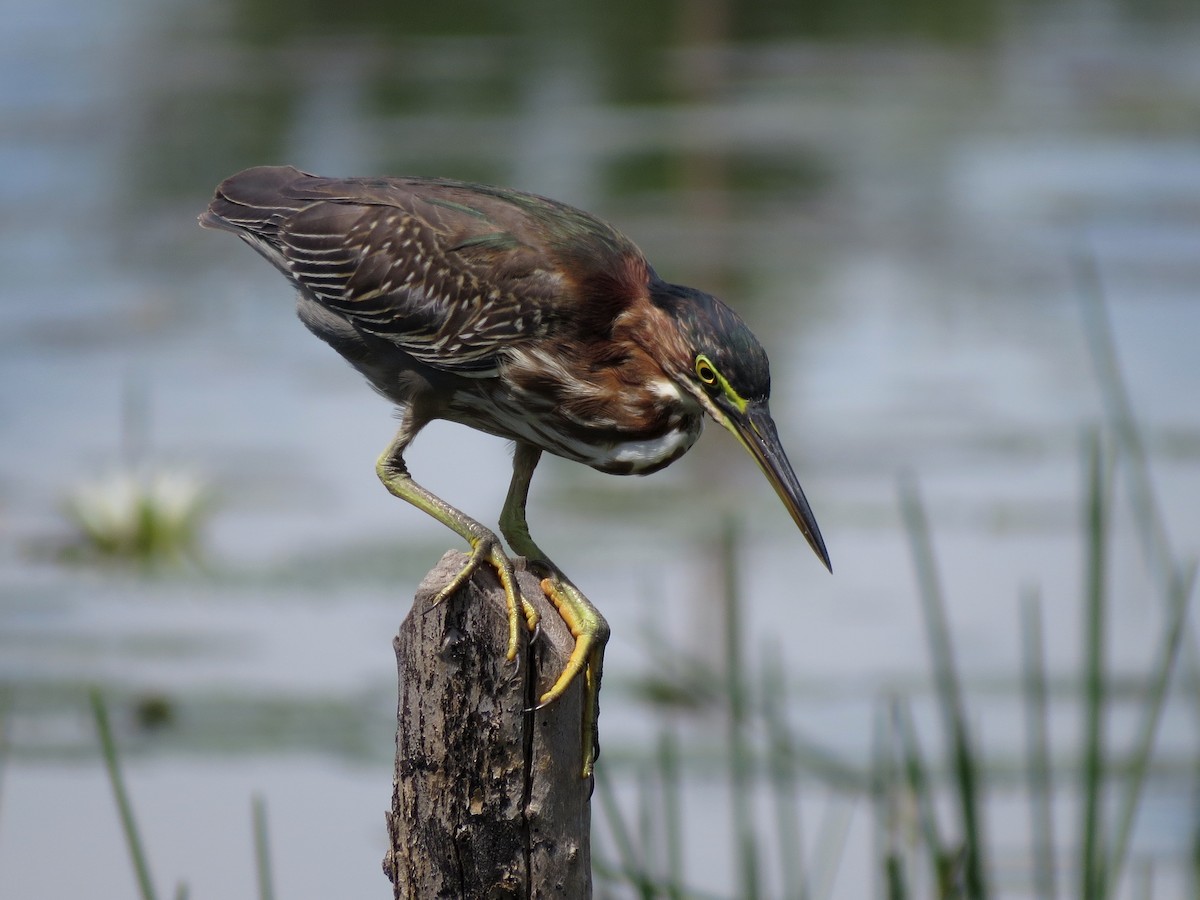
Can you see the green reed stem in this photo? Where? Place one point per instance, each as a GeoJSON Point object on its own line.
{"type": "Point", "coordinates": [781, 769]}
{"type": "Point", "coordinates": [646, 831]}
{"type": "Point", "coordinates": [1152, 707]}
{"type": "Point", "coordinates": [631, 867]}
{"type": "Point", "coordinates": [133, 841]}
{"type": "Point", "coordinates": [670, 778]}
{"type": "Point", "coordinates": [1037, 747]}
{"type": "Point", "coordinates": [942, 862]}
{"type": "Point", "coordinates": [1119, 413]}
{"type": "Point", "coordinates": [741, 760]}
{"type": "Point", "coordinates": [262, 848]}
{"type": "Point", "coordinates": [5, 746]}
{"type": "Point", "coordinates": [832, 834]}
{"type": "Point", "coordinates": [1092, 884]}
{"type": "Point", "coordinates": [886, 790]}
{"type": "Point", "coordinates": [949, 688]}
{"type": "Point", "coordinates": [1151, 528]}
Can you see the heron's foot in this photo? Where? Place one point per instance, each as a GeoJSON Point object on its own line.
{"type": "Point", "coordinates": [486, 548]}
{"type": "Point", "coordinates": [590, 631]}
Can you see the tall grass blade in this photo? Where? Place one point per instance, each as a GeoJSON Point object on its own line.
{"type": "Point", "coordinates": [645, 884]}
{"type": "Point", "coordinates": [785, 786]}
{"type": "Point", "coordinates": [1152, 707]}
{"type": "Point", "coordinates": [1119, 413]}
{"type": "Point", "coordinates": [741, 761]}
{"type": "Point", "coordinates": [5, 746]}
{"type": "Point", "coordinates": [262, 848]}
{"type": "Point", "coordinates": [830, 847]}
{"type": "Point", "coordinates": [606, 873]}
{"type": "Point", "coordinates": [670, 777]}
{"type": "Point", "coordinates": [108, 748]}
{"type": "Point", "coordinates": [949, 690]}
{"type": "Point", "coordinates": [889, 826]}
{"type": "Point", "coordinates": [646, 833]}
{"type": "Point", "coordinates": [942, 863]}
{"type": "Point", "coordinates": [897, 889]}
{"type": "Point", "coordinates": [181, 891]}
{"type": "Point", "coordinates": [1037, 748]}
{"type": "Point", "coordinates": [629, 863]}
{"type": "Point", "coordinates": [1194, 868]}
{"type": "Point", "coordinates": [1092, 882]}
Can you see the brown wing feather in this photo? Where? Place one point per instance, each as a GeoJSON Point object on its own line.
{"type": "Point", "coordinates": [452, 273]}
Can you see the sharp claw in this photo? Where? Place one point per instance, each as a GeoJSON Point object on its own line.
{"type": "Point", "coordinates": [532, 618]}
{"type": "Point", "coordinates": [586, 624]}
{"type": "Point", "coordinates": [591, 632]}
{"type": "Point", "coordinates": [487, 547]}
{"type": "Point", "coordinates": [463, 576]}
{"type": "Point", "coordinates": [583, 620]}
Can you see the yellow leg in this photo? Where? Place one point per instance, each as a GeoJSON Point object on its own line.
{"type": "Point", "coordinates": [585, 622]}
{"type": "Point", "coordinates": [485, 546]}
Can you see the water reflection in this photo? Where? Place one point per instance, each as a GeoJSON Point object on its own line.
{"type": "Point", "coordinates": [888, 192]}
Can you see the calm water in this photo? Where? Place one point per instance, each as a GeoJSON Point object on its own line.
{"type": "Point", "coordinates": [891, 202]}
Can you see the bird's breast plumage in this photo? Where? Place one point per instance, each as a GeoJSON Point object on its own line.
{"type": "Point", "coordinates": [657, 426]}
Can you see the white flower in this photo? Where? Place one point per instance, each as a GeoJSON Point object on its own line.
{"type": "Point", "coordinates": [139, 514]}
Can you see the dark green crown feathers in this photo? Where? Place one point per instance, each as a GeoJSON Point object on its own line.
{"type": "Point", "coordinates": [717, 332]}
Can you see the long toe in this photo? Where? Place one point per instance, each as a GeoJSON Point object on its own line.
{"type": "Point", "coordinates": [591, 632]}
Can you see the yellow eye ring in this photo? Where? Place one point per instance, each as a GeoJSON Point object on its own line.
{"type": "Point", "coordinates": [705, 370]}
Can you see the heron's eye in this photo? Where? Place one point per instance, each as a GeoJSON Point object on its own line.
{"type": "Point", "coordinates": [705, 370]}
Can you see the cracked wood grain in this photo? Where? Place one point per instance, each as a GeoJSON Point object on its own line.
{"type": "Point", "coordinates": [487, 801]}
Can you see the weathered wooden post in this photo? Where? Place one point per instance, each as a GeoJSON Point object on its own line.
{"type": "Point", "coordinates": [488, 801]}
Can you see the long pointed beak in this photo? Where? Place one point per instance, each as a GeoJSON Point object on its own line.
{"type": "Point", "coordinates": [755, 430]}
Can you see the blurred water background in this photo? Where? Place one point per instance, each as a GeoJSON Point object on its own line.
{"type": "Point", "coordinates": [891, 194]}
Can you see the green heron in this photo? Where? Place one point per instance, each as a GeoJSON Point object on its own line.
{"type": "Point", "coordinates": [521, 317]}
